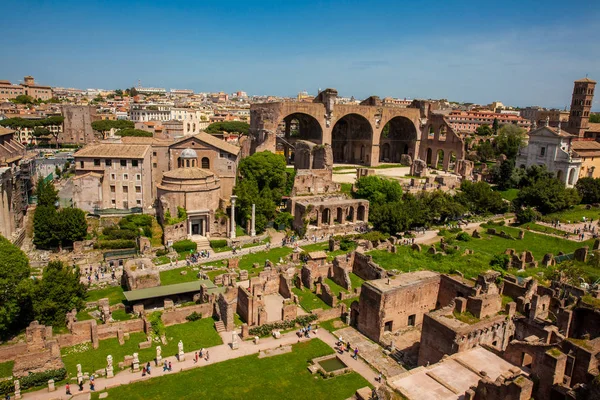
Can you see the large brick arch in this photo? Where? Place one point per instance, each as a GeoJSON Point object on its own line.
{"type": "Point", "coordinates": [265, 118]}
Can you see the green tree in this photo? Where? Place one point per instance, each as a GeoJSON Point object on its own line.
{"type": "Point", "coordinates": [133, 92]}
{"type": "Point", "coordinates": [44, 223]}
{"type": "Point", "coordinates": [71, 225]}
{"type": "Point", "coordinates": [47, 195]}
{"type": "Point", "coordinates": [262, 181]}
{"type": "Point", "coordinates": [58, 292]}
{"type": "Point", "coordinates": [99, 98]}
{"type": "Point", "coordinates": [440, 206]}
{"type": "Point", "coordinates": [485, 151]}
{"type": "Point", "coordinates": [14, 278]}
{"type": "Point", "coordinates": [495, 126]}
{"type": "Point", "coordinates": [391, 218]}
{"type": "Point", "coordinates": [547, 195]}
{"type": "Point", "coordinates": [595, 118]}
{"type": "Point", "coordinates": [23, 99]}
{"type": "Point", "coordinates": [589, 190]}
{"type": "Point", "coordinates": [529, 176]}
{"type": "Point", "coordinates": [229, 127]}
{"type": "Point", "coordinates": [378, 190]}
{"type": "Point", "coordinates": [479, 198]}
{"type": "Point", "coordinates": [484, 130]}
{"type": "Point", "coordinates": [104, 126]}
{"type": "Point", "coordinates": [503, 174]}
{"type": "Point", "coordinates": [134, 132]}
{"type": "Point", "coordinates": [510, 139]}
{"type": "Point", "coordinates": [119, 92]}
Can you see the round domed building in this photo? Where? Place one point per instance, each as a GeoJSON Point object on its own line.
{"type": "Point", "coordinates": [195, 190]}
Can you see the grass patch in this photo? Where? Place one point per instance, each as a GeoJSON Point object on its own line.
{"type": "Point", "coordinates": [165, 259]}
{"type": "Point", "coordinates": [6, 369]}
{"type": "Point", "coordinates": [157, 234]}
{"type": "Point", "coordinates": [84, 315]}
{"type": "Point", "coordinates": [113, 293]}
{"type": "Point", "coordinates": [329, 324]}
{"type": "Point", "coordinates": [335, 288]}
{"type": "Point", "coordinates": [509, 194]}
{"type": "Point", "coordinates": [356, 280]}
{"type": "Point", "coordinates": [574, 214]}
{"type": "Point", "coordinates": [264, 241]}
{"type": "Point", "coordinates": [308, 300]}
{"type": "Point", "coordinates": [271, 378]}
{"type": "Point", "coordinates": [506, 300]}
{"type": "Point", "coordinates": [543, 228]}
{"type": "Point", "coordinates": [260, 257]}
{"type": "Point", "coordinates": [121, 315]}
{"type": "Point", "coordinates": [465, 317]}
{"type": "Point", "coordinates": [346, 188]}
{"type": "Point", "coordinates": [194, 335]}
{"type": "Point", "coordinates": [173, 276]}
{"type": "Point", "coordinates": [343, 168]}
{"type": "Point", "coordinates": [591, 301]}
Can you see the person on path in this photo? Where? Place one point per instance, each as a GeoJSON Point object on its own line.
{"type": "Point", "coordinates": [170, 366]}
{"type": "Point", "coordinates": [165, 366]}
{"type": "Point", "coordinates": [92, 385]}
{"type": "Point", "coordinates": [148, 367]}
{"type": "Point", "coordinates": [355, 353]}
{"type": "Point", "coordinates": [206, 355]}
{"type": "Point", "coordinates": [143, 371]}
{"type": "Point", "coordinates": [195, 357]}
{"type": "Point", "coordinates": [80, 383]}
{"type": "Point", "coordinates": [68, 389]}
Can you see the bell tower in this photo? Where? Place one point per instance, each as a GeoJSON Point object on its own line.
{"type": "Point", "coordinates": [581, 105]}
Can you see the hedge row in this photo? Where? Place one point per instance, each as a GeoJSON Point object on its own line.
{"type": "Point", "coordinates": [184, 245]}
{"type": "Point", "coordinates": [33, 380]}
{"type": "Point", "coordinates": [217, 244]}
{"type": "Point", "coordinates": [265, 330]}
{"type": "Point", "coordinates": [115, 244]}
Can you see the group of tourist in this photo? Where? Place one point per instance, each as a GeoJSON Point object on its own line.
{"type": "Point", "coordinates": [341, 347]}
{"type": "Point", "coordinates": [193, 258]}
{"type": "Point", "coordinates": [98, 273]}
{"type": "Point", "coordinates": [203, 353]}
{"type": "Point", "coordinates": [305, 331]}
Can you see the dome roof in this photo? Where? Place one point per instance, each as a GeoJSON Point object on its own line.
{"type": "Point", "coordinates": [188, 153]}
{"type": "Point", "coordinates": [188, 173]}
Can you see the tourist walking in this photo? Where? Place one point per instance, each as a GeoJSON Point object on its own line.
{"type": "Point", "coordinates": [68, 389]}
{"type": "Point", "coordinates": [148, 368]}
{"type": "Point", "coordinates": [92, 385]}
{"type": "Point", "coordinates": [195, 357]}
{"type": "Point", "coordinates": [170, 366]}
{"type": "Point", "coordinates": [355, 356]}
{"type": "Point", "coordinates": [207, 355]}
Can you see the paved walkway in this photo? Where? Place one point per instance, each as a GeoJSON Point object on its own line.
{"type": "Point", "coordinates": [216, 354]}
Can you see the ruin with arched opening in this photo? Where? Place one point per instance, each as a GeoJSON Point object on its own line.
{"type": "Point", "coordinates": [368, 133]}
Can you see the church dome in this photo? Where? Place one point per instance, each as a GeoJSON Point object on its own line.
{"type": "Point", "coordinates": [188, 153]}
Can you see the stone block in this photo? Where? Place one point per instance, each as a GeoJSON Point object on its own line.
{"type": "Point", "coordinates": [51, 387]}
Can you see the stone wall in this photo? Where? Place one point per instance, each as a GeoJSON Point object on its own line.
{"type": "Point", "coordinates": [454, 286]}
{"type": "Point", "coordinates": [108, 331]}
{"type": "Point", "coordinates": [365, 268]}
{"type": "Point", "coordinates": [326, 315]}
{"type": "Point", "coordinates": [327, 295]}
{"type": "Point", "coordinates": [178, 315]}
{"type": "Point", "coordinates": [175, 232]}
{"type": "Point", "coordinates": [11, 351]}
{"type": "Point", "coordinates": [340, 272]}
{"type": "Point", "coordinates": [437, 340]}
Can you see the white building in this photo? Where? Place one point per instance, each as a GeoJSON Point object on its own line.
{"type": "Point", "coordinates": [551, 147]}
{"type": "Point", "coordinates": [194, 120]}
{"type": "Point", "coordinates": [151, 90]}
{"type": "Point", "coordinates": [150, 112]}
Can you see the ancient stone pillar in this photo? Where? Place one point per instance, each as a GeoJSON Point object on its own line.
{"type": "Point", "coordinates": [232, 233]}
{"type": "Point", "coordinates": [253, 228]}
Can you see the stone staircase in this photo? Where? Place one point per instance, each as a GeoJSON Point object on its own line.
{"type": "Point", "coordinates": [219, 326]}
{"type": "Point", "coordinates": [202, 242]}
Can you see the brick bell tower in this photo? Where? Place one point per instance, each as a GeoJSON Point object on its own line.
{"type": "Point", "coordinates": [581, 105]}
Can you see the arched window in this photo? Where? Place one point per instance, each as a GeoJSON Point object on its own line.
{"type": "Point", "coordinates": [205, 163]}
{"type": "Point", "coordinates": [194, 127]}
{"type": "Point", "coordinates": [188, 126]}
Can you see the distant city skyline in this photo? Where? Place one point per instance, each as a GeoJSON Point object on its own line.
{"type": "Point", "coordinates": [518, 53]}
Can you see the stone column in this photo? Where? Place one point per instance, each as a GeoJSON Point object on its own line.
{"type": "Point", "coordinates": [232, 233]}
{"type": "Point", "coordinates": [253, 228]}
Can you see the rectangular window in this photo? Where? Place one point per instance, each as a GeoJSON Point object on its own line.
{"type": "Point", "coordinates": [138, 189]}
{"type": "Point", "coordinates": [112, 188]}
{"type": "Point", "coordinates": [543, 151]}
{"type": "Point", "coordinates": [113, 176]}
{"type": "Point", "coordinates": [108, 162]}
{"type": "Point", "coordinates": [388, 326]}
{"type": "Point", "coordinates": [125, 177]}
{"type": "Point", "coordinates": [123, 163]}
{"type": "Point", "coordinates": [411, 320]}
{"type": "Point", "coordinates": [138, 177]}
{"type": "Point", "coordinates": [96, 162]}
{"type": "Point", "coordinates": [134, 163]}
{"type": "Point", "coordinates": [154, 153]}
{"type": "Point", "coordinates": [81, 164]}
{"type": "Point", "coordinates": [125, 189]}
{"type": "Point", "coordinates": [154, 165]}
{"type": "Point", "coordinates": [138, 202]}
{"type": "Point", "coordinates": [114, 202]}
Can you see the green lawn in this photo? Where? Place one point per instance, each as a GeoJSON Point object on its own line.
{"type": "Point", "coordinates": [509, 194]}
{"type": "Point", "coordinates": [165, 259]}
{"type": "Point", "coordinates": [309, 248]}
{"type": "Point", "coordinates": [262, 256]}
{"type": "Point", "coordinates": [335, 288]}
{"type": "Point", "coordinates": [6, 369]}
{"type": "Point", "coordinates": [538, 244]}
{"type": "Point", "coordinates": [121, 315]}
{"type": "Point", "coordinates": [575, 214]}
{"type": "Point", "coordinates": [272, 378]}
{"type": "Point", "coordinates": [309, 301]}
{"type": "Point", "coordinates": [113, 293]}
{"type": "Point", "coordinates": [542, 228]}
{"type": "Point", "coordinates": [356, 280]}
{"type": "Point", "coordinates": [173, 276]}
{"type": "Point", "coordinates": [329, 324]}
{"type": "Point", "coordinates": [194, 335]}
{"type": "Point", "coordinates": [346, 188]}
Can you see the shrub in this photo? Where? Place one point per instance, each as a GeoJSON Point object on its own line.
{"type": "Point", "coordinates": [217, 244]}
{"type": "Point", "coordinates": [156, 323]}
{"type": "Point", "coordinates": [162, 252]}
{"type": "Point", "coordinates": [372, 236]}
{"type": "Point", "coordinates": [500, 260]}
{"type": "Point", "coordinates": [463, 237]}
{"type": "Point", "coordinates": [284, 218]}
{"type": "Point", "coordinates": [115, 244]}
{"type": "Point", "coordinates": [194, 317]}
{"type": "Point", "coordinates": [265, 330]}
{"type": "Point", "coordinates": [347, 244]}
{"type": "Point", "coordinates": [42, 378]}
{"type": "Point", "coordinates": [184, 246]}
{"type": "Point", "coordinates": [6, 387]}
{"type": "Point", "coordinates": [527, 214]}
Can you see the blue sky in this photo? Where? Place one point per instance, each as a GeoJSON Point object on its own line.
{"type": "Point", "coordinates": [518, 52]}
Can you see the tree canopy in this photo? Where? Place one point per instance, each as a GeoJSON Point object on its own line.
{"type": "Point", "coordinates": [378, 190]}
{"type": "Point", "coordinates": [134, 132]}
{"type": "Point", "coordinates": [484, 130]}
{"type": "Point", "coordinates": [589, 190]}
{"type": "Point", "coordinates": [229, 127]}
{"type": "Point", "coordinates": [14, 274]}
{"type": "Point", "coordinates": [59, 291]}
{"type": "Point", "coordinates": [479, 198]}
{"type": "Point", "coordinates": [547, 195]}
{"type": "Point", "coordinates": [262, 181]}
{"type": "Point", "coordinates": [510, 139]}
{"type": "Point", "coordinates": [105, 125]}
